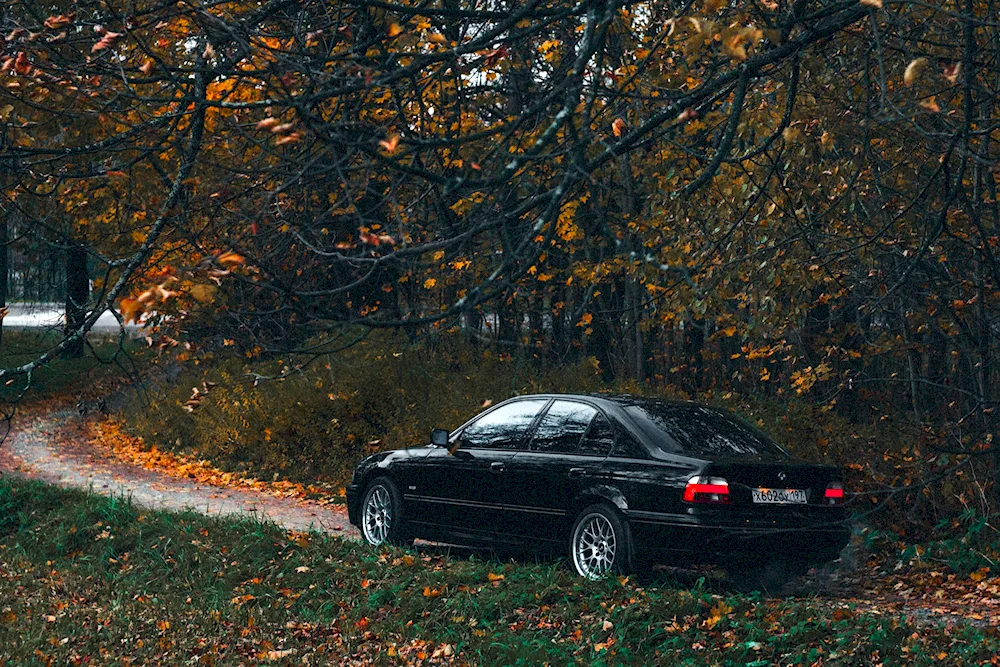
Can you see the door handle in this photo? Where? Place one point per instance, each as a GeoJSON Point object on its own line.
{"type": "Point", "coordinates": [577, 472]}
{"type": "Point", "coordinates": [497, 466]}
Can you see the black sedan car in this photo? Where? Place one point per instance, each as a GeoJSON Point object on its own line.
{"type": "Point", "coordinates": [614, 482]}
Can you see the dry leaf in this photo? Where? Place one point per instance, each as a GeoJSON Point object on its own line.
{"type": "Point", "coordinates": [395, 29]}
{"type": "Point", "coordinates": [618, 127]}
{"type": "Point", "coordinates": [872, 3]}
{"type": "Point", "coordinates": [913, 70]}
{"type": "Point", "coordinates": [390, 143]}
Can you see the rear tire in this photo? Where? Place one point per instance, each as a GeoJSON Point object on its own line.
{"type": "Point", "coordinates": [382, 518]}
{"type": "Point", "coordinates": [600, 543]}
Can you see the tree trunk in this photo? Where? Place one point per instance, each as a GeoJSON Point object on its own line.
{"type": "Point", "coordinates": [77, 295]}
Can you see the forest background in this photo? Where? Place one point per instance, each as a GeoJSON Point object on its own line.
{"type": "Point", "coordinates": [343, 223]}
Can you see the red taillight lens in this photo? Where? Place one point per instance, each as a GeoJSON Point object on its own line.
{"type": "Point", "coordinates": [706, 490]}
{"type": "Point", "coordinates": [834, 493]}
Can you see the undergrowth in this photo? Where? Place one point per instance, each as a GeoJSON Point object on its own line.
{"type": "Point", "coordinates": [91, 580]}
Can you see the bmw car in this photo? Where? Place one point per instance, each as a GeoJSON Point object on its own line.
{"type": "Point", "coordinates": [614, 483]}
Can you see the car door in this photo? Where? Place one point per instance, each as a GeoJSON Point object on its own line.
{"type": "Point", "coordinates": [563, 458]}
{"type": "Point", "coordinates": [460, 488]}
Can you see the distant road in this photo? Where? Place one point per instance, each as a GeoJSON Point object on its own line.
{"type": "Point", "coordinates": [52, 316]}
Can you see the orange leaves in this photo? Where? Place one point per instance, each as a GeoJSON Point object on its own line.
{"type": "Point", "coordinates": [267, 124]}
{"type": "Point", "coordinates": [57, 22]}
{"type": "Point", "coordinates": [952, 72]}
{"type": "Point", "coordinates": [283, 130]}
{"type": "Point", "coordinates": [147, 67]}
{"type": "Point", "coordinates": [872, 3]}
{"type": "Point", "coordinates": [130, 310]}
{"type": "Point", "coordinates": [618, 127]}
{"type": "Point", "coordinates": [395, 30]}
{"type": "Point", "coordinates": [390, 143]}
{"type": "Point", "coordinates": [108, 40]}
{"type": "Point", "coordinates": [369, 238]}
{"type": "Point", "coordinates": [687, 115]}
{"type": "Point", "coordinates": [230, 259]}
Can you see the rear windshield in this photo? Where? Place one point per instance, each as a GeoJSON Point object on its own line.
{"type": "Point", "coordinates": [699, 431]}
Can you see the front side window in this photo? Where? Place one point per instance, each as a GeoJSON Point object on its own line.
{"type": "Point", "coordinates": [503, 428]}
{"type": "Point", "coordinates": [562, 427]}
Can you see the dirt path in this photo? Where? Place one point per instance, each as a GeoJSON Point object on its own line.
{"type": "Point", "coordinates": [53, 448]}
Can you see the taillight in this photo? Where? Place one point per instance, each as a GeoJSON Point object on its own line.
{"type": "Point", "coordinates": [834, 493]}
{"type": "Point", "coordinates": [706, 490]}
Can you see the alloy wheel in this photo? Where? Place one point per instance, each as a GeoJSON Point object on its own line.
{"type": "Point", "coordinates": [594, 546]}
{"type": "Point", "coordinates": [377, 517]}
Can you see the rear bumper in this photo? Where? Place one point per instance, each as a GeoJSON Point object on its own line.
{"type": "Point", "coordinates": [813, 543]}
{"type": "Point", "coordinates": [353, 493]}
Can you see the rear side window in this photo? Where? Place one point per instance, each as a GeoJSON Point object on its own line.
{"type": "Point", "coordinates": [600, 438]}
{"type": "Point", "coordinates": [701, 431]}
{"type": "Point", "coordinates": [503, 428]}
{"type": "Point", "coordinates": [562, 428]}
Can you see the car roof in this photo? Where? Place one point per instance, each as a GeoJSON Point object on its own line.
{"type": "Point", "coordinates": [613, 400]}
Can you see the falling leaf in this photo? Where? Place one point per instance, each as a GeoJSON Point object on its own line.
{"type": "Point", "coordinates": [147, 67]}
{"type": "Point", "coordinates": [952, 72]}
{"type": "Point", "coordinates": [390, 143]}
{"type": "Point", "coordinates": [930, 104]}
{"type": "Point", "coordinates": [618, 127]}
{"type": "Point", "coordinates": [913, 70]}
{"type": "Point", "coordinates": [686, 115]}
{"type": "Point", "coordinates": [106, 41]}
{"type": "Point", "coordinates": [231, 258]}
{"type": "Point", "coordinates": [56, 22]}
{"type": "Point", "coordinates": [282, 129]}
{"type": "Point", "coordinates": [292, 138]}
{"type": "Point", "coordinates": [872, 3]}
{"type": "Point", "coordinates": [267, 124]}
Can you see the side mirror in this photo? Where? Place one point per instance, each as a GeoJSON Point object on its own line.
{"type": "Point", "coordinates": [439, 437]}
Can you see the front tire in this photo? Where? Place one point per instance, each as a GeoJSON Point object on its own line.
{"type": "Point", "coordinates": [382, 514]}
{"type": "Point", "coordinates": [599, 543]}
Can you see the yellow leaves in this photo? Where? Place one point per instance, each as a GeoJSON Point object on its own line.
{"type": "Point", "coordinates": [791, 134]}
{"type": "Point", "coordinates": [430, 283]}
{"type": "Point", "coordinates": [618, 127]}
{"type": "Point", "coordinates": [432, 592]}
{"type": "Point", "coordinates": [203, 294]}
{"type": "Point", "coordinates": [494, 577]}
{"type": "Point", "coordinates": [130, 310]}
{"type": "Point", "coordinates": [913, 71]}
{"type": "Point", "coordinates": [585, 320]}
{"type": "Point", "coordinates": [716, 614]}
{"type": "Point", "coordinates": [765, 375]}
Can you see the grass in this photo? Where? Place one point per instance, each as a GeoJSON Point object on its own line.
{"type": "Point", "coordinates": [91, 580]}
{"type": "Point", "coordinates": [84, 377]}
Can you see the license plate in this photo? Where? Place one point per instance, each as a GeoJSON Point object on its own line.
{"type": "Point", "coordinates": [779, 496]}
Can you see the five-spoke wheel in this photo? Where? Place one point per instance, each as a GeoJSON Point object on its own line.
{"type": "Point", "coordinates": [599, 544]}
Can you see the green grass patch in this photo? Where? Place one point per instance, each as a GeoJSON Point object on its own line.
{"type": "Point", "coordinates": [103, 362]}
{"type": "Point", "coordinates": [83, 577]}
